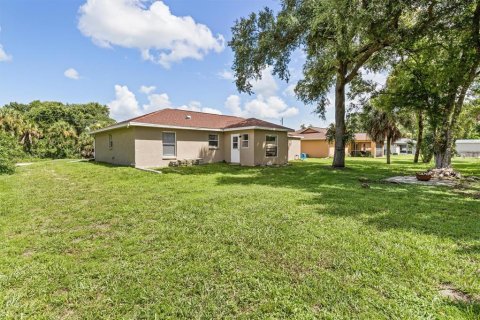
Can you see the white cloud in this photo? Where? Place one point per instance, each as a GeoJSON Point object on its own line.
{"type": "Point", "coordinates": [267, 108]}
{"type": "Point", "coordinates": [266, 86]}
{"type": "Point", "coordinates": [197, 106]}
{"type": "Point", "coordinates": [290, 91]}
{"type": "Point", "coordinates": [160, 36]}
{"type": "Point", "coordinates": [156, 102]}
{"type": "Point", "coordinates": [125, 104]}
{"type": "Point", "coordinates": [71, 74]}
{"type": "Point", "coordinates": [226, 75]}
{"type": "Point", "coordinates": [147, 89]}
{"type": "Point", "coordinates": [267, 104]}
{"type": "Point", "coordinates": [3, 55]}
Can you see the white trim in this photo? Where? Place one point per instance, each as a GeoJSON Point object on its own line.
{"type": "Point", "coordinates": [276, 143]}
{"type": "Point", "coordinates": [112, 127]}
{"type": "Point", "coordinates": [248, 140]}
{"type": "Point", "coordinates": [140, 124]}
{"type": "Point", "coordinates": [218, 141]}
{"type": "Point", "coordinates": [150, 125]}
{"type": "Point", "coordinates": [237, 149]}
{"type": "Point", "coordinates": [169, 157]}
{"type": "Point", "coordinates": [254, 128]}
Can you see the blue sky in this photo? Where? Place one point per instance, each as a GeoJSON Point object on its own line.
{"type": "Point", "coordinates": [136, 57]}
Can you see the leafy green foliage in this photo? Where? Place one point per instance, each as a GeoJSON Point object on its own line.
{"type": "Point", "coordinates": [9, 152]}
{"type": "Point", "coordinates": [427, 147]}
{"type": "Point", "coordinates": [52, 129]}
{"type": "Point", "coordinates": [436, 75]}
{"type": "Point", "coordinates": [339, 38]}
{"type": "Point", "coordinates": [468, 126]}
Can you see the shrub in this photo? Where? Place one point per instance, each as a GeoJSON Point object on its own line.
{"type": "Point", "coordinates": [10, 151]}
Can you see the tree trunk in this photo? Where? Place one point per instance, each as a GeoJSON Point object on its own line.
{"type": "Point", "coordinates": [389, 140]}
{"type": "Point", "coordinates": [443, 151]}
{"type": "Point", "coordinates": [339, 155]}
{"type": "Point", "coordinates": [419, 137]}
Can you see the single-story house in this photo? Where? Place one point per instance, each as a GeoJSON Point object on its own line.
{"type": "Point", "coordinates": [402, 146]}
{"type": "Point", "coordinates": [468, 148]}
{"type": "Point", "coordinates": [161, 137]}
{"type": "Point", "coordinates": [314, 143]}
{"type": "Point", "coordinates": [294, 147]}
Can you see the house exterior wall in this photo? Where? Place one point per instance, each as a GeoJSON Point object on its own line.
{"type": "Point", "coordinates": [316, 148]}
{"type": "Point", "coordinates": [143, 147]}
{"type": "Point", "coordinates": [190, 144]}
{"type": "Point", "coordinates": [246, 154]}
{"type": "Point", "coordinates": [294, 148]}
{"type": "Point", "coordinates": [260, 148]}
{"type": "Point", "coordinates": [468, 148]}
{"type": "Point", "coordinates": [123, 149]}
{"type": "Point", "coordinates": [367, 145]}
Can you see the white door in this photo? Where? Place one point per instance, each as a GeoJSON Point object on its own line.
{"type": "Point", "coordinates": [235, 152]}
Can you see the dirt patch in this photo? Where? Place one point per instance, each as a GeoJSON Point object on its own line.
{"type": "Point", "coordinates": [449, 292]}
{"type": "Point", "coordinates": [413, 180]}
{"type": "Point", "coordinates": [23, 164]}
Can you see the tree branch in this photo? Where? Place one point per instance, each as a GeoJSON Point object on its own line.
{"type": "Point", "coordinates": [374, 47]}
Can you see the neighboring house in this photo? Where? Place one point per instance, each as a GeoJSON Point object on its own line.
{"type": "Point", "coordinates": [294, 147]}
{"type": "Point", "coordinates": [314, 143]}
{"type": "Point", "coordinates": [468, 148]}
{"type": "Point", "coordinates": [158, 138]}
{"type": "Point", "coordinates": [402, 146]}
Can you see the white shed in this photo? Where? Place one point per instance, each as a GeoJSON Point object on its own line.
{"type": "Point", "coordinates": [468, 148]}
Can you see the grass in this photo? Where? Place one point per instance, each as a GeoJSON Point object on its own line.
{"type": "Point", "coordinates": [88, 241]}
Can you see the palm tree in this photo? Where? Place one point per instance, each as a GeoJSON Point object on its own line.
{"type": "Point", "coordinates": [11, 121]}
{"type": "Point", "coordinates": [28, 134]}
{"type": "Point", "coordinates": [380, 126]}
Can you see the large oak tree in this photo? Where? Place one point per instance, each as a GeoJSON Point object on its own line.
{"type": "Point", "coordinates": [339, 38]}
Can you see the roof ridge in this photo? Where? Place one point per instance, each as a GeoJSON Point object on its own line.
{"type": "Point", "coordinates": [144, 115]}
{"type": "Point", "coordinates": [215, 114]}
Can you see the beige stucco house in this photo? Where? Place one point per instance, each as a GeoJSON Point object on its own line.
{"type": "Point", "coordinates": [314, 143]}
{"type": "Point", "coordinates": [158, 138]}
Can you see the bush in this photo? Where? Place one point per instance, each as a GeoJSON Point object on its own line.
{"type": "Point", "coordinates": [426, 149]}
{"type": "Point", "coordinates": [10, 151]}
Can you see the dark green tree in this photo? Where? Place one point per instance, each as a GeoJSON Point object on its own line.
{"type": "Point", "coordinates": [382, 125]}
{"type": "Point", "coordinates": [338, 37]}
{"type": "Point", "coordinates": [10, 151]}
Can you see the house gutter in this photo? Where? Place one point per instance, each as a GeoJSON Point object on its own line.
{"type": "Point", "coordinates": [140, 124]}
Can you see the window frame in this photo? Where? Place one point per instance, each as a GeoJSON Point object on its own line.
{"type": "Point", "coordinates": [218, 141]}
{"type": "Point", "coordinates": [174, 146]}
{"type": "Point", "coordinates": [267, 143]}
{"type": "Point", "coordinates": [238, 142]}
{"type": "Point", "coordinates": [247, 141]}
{"type": "Point", "coordinates": [110, 142]}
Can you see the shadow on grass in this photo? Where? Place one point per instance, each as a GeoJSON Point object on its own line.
{"type": "Point", "coordinates": [429, 210]}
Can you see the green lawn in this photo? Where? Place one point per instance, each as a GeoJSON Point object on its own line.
{"type": "Point", "coordinates": [86, 241]}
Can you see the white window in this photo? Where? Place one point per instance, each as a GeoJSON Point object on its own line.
{"type": "Point", "coordinates": [234, 142]}
{"type": "Point", "coordinates": [110, 141]}
{"type": "Point", "coordinates": [213, 141]}
{"type": "Point", "coordinates": [168, 140]}
{"type": "Point", "coordinates": [245, 140]}
{"type": "Point", "coordinates": [271, 146]}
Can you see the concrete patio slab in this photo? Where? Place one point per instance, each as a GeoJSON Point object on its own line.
{"type": "Point", "coordinates": [413, 180]}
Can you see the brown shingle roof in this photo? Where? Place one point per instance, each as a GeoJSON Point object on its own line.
{"type": "Point", "coordinates": [184, 118]}
{"type": "Point", "coordinates": [320, 134]}
{"type": "Point", "coordinates": [362, 137]}
{"type": "Point", "coordinates": [316, 133]}
{"type": "Point", "coordinates": [254, 122]}
{"type": "Point", "coordinates": [194, 119]}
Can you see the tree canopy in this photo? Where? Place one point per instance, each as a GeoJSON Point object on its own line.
{"type": "Point", "coordinates": [51, 129]}
{"type": "Point", "coordinates": [339, 39]}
